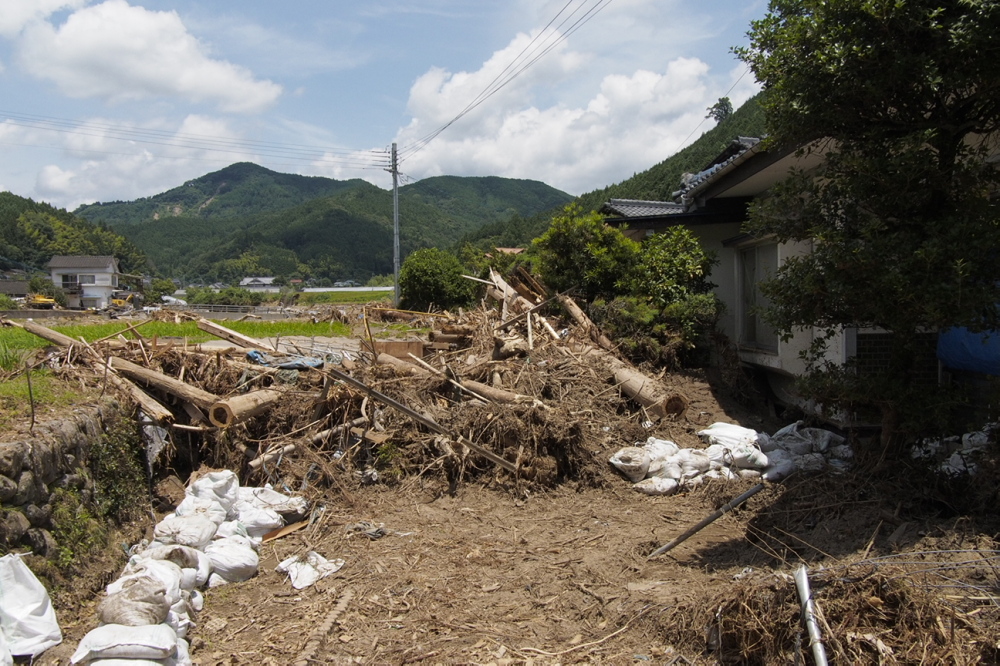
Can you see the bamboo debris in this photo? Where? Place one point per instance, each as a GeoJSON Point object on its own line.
{"type": "Point", "coordinates": [315, 440]}
{"type": "Point", "coordinates": [236, 409]}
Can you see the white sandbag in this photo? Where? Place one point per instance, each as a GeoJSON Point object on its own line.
{"type": "Point", "coordinates": [180, 622]}
{"type": "Point", "coordinates": [215, 580]}
{"type": "Point", "coordinates": [132, 662]}
{"type": "Point", "coordinates": [665, 469]}
{"type": "Point", "coordinates": [256, 520]}
{"type": "Point", "coordinates": [660, 449]}
{"type": "Point", "coordinates": [223, 487]}
{"type": "Point", "coordinates": [233, 559]}
{"type": "Point", "coordinates": [197, 601]}
{"type": "Point", "coordinates": [655, 485]}
{"type": "Point", "coordinates": [746, 456]}
{"type": "Point", "coordinates": [632, 461]}
{"type": "Point", "coordinates": [231, 528]}
{"type": "Point", "coordinates": [167, 573]}
{"type": "Point", "coordinates": [141, 601]}
{"type": "Point", "coordinates": [6, 658]}
{"type": "Point", "coordinates": [750, 474]}
{"type": "Point", "coordinates": [27, 619]}
{"type": "Point", "coordinates": [779, 471]}
{"type": "Point", "coordinates": [303, 572]}
{"type": "Point", "coordinates": [841, 452]}
{"type": "Point", "coordinates": [268, 498]}
{"type": "Point", "coordinates": [194, 531]}
{"type": "Point", "coordinates": [692, 462]}
{"type": "Point", "coordinates": [201, 506]}
{"type": "Point", "coordinates": [183, 656]}
{"type": "Point", "coordinates": [157, 641]}
{"type": "Point", "coordinates": [728, 434]}
{"type": "Point", "coordinates": [186, 558]}
{"type": "Point", "coordinates": [811, 462]}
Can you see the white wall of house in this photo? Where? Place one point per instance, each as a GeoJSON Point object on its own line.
{"type": "Point", "coordinates": [88, 288]}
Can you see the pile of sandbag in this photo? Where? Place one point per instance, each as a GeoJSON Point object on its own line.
{"type": "Point", "coordinates": [957, 456]}
{"type": "Point", "coordinates": [660, 467]}
{"type": "Point", "coordinates": [212, 538]}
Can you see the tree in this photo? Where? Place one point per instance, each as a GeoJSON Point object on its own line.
{"type": "Point", "coordinates": [904, 100]}
{"type": "Point", "coordinates": [582, 251]}
{"type": "Point", "coordinates": [721, 110]}
{"type": "Point", "coordinates": [433, 277]}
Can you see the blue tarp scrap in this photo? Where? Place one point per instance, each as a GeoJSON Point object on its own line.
{"type": "Point", "coordinates": [961, 349]}
{"type": "Point", "coordinates": [260, 358]}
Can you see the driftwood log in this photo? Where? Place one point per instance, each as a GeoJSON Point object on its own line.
{"type": "Point", "coordinates": [402, 366]}
{"type": "Point", "coordinates": [234, 337]}
{"type": "Point", "coordinates": [238, 408]}
{"type": "Point", "coordinates": [174, 387]}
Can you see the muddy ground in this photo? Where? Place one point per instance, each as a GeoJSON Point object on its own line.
{"type": "Point", "coordinates": [474, 567]}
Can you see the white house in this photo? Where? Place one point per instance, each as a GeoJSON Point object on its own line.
{"type": "Point", "coordinates": [260, 284]}
{"type": "Point", "coordinates": [89, 282]}
{"type": "Point", "coordinates": [713, 205]}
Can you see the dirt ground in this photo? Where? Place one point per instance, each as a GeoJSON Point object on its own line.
{"type": "Point", "coordinates": [462, 564]}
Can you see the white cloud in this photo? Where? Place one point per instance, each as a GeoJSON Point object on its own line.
{"type": "Point", "coordinates": [108, 168]}
{"type": "Point", "coordinates": [119, 52]}
{"type": "Point", "coordinates": [629, 123]}
{"type": "Point", "coordinates": [16, 14]}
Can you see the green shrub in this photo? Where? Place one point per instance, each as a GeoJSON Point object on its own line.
{"type": "Point", "coordinates": [118, 462]}
{"type": "Point", "coordinates": [582, 251]}
{"type": "Point", "coordinates": [7, 303]}
{"type": "Point", "coordinates": [433, 277]}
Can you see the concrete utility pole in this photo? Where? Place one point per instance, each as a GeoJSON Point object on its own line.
{"type": "Point", "coordinates": [395, 226]}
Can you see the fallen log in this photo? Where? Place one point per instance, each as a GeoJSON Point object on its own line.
{"type": "Point", "coordinates": [401, 365]}
{"type": "Point", "coordinates": [194, 395]}
{"type": "Point", "coordinates": [585, 323]}
{"type": "Point", "coordinates": [146, 402]}
{"type": "Point", "coordinates": [639, 387]}
{"type": "Point", "coordinates": [220, 331]}
{"type": "Point", "coordinates": [239, 408]}
{"type": "Point", "coordinates": [54, 337]}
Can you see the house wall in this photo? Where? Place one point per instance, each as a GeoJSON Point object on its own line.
{"type": "Point", "coordinates": [724, 273]}
{"type": "Point", "coordinates": [97, 295]}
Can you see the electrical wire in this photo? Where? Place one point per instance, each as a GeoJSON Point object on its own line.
{"type": "Point", "coordinates": [297, 153]}
{"type": "Point", "coordinates": [516, 68]}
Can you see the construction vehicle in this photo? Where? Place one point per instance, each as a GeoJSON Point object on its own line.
{"type": "Point", "coordinates": [39, 302]}
{"type": "Point", "coordinates": [122, 303]}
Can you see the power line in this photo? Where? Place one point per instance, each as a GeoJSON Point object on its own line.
{"type": "Point", "coordinates": [500, 81]}
{"type": "Point", "coordinates": [298, 153]}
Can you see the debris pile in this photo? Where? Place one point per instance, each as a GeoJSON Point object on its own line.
{"type": "Point", "coordinates": [957, 455]}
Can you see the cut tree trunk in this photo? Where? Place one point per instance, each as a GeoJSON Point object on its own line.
{"type": "Point", "coordinates": [234, 337]}
{"type": "Point", "coordinates": [198, 397]}
{"type": "Point", "coordinates": [239, 408]}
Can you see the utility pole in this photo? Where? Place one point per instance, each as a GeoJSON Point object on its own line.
{"type": "Point", "coordinates": [395, 226]}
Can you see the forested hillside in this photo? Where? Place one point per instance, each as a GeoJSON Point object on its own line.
{"type": "Point", "coordinates": [246, 220]}
{"type": "Point", "coordinates": [655, 184]}
{"type": "Point", "coordinates": [31, 233]}
{"type": "Point", "coordinates": [238, 190]}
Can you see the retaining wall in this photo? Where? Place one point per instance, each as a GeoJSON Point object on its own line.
{"type": "Point", "coordinates": [54, 456]}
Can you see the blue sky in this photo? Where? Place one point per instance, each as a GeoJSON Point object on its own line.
{"type": "Point", "coordinates": [108, 100]}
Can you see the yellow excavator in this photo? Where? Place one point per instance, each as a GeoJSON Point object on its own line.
{"type": "Point", "coordinates": [39, 302]}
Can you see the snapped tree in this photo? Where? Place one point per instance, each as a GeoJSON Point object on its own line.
{"type": "Point", "coordinates": [904, 100]}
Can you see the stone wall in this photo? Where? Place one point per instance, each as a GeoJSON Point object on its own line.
{"type": "Point", "coordinates": [54, 456]}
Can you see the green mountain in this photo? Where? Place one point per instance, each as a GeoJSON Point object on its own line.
{"type": "Point", "coordinates": [238, 190]}
{"type": "Point", "coordinates": [654, 184]}
{"type": "Point", "coordinates": [246, 220]}
{"type": "Point", "coordinates": [31, 233]}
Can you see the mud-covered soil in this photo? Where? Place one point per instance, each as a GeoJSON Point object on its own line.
{"type": "Point", "coordinates": [470, 564]}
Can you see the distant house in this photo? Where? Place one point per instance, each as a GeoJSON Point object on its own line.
{"type": "Point", "coordinates": [89, 282]}
{"type": "Point", "coordinates": [260, 284]}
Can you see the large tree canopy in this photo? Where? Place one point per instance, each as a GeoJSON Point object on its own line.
{"type": "Point", "coordinates": [904, 99]}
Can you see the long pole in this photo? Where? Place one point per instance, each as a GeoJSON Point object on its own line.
{"type": "Point", "coordinates": [395, 227]}
{"type": "Point", "coordinates": [707, 520]}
